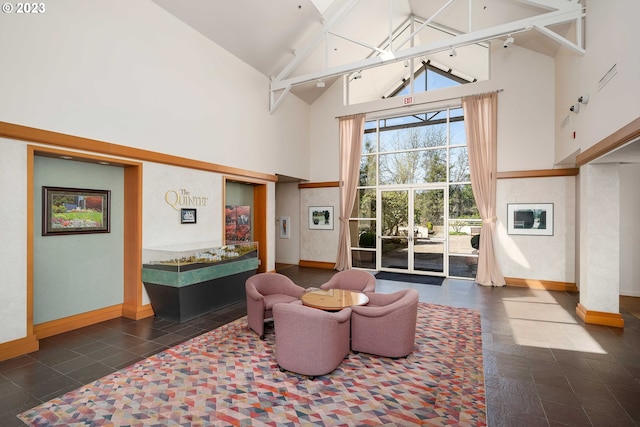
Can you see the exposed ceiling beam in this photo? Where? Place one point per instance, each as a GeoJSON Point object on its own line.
{"type": "Point", "coordinates": [274, 102]}
{"type": "Point", "coordinates": [301, 56]}
{"type": "Point", "coordinates": [483, 35]}
{"type": "Point", "coordinates": [562, 40]}
{"type": "Point", "coordinates": [552, 4]}
{"type": "Point", "coordinates": [562, 11]}
{"type": "Point", "coordinates": [425, 23]}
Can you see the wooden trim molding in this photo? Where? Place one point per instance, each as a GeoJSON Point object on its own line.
{"type": "Point", "coordinates": [66, 324]}
{"type": "Point", "coordinates": [30, 235]}
{"type": "Point", "coordinates": [260, 224]}
{"type": "Point", "coordinates": [260, 227]}
{"type": "Point", "coordinates": [548, 285]}
{"type": "Point", "coordinates": [25, 133]}
{"type": "Point", "coordinates": [542, 173]}
{"type": "Point", "coordinates": [317, 264]}
{"type": "Point", "coordinates": [327, 184]}
{"type": "Point", "coordinates": [137, 312]}
{"type": "Point", "coordinates": [15, 348]}
{"type": "Point", "coordinates": [614, 320]}
{"type": "Point", "coordinates": [616, 140]}
{"type": "Point", "coordinates": [132, 251]}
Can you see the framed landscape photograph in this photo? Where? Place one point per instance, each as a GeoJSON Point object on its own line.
{"type": "Point", "coordinates": [188, 216]}
{"type": "Point", "coordinates": [321, 217]}
{"type": "Point", "coordinates": [75, 211]}
{"type": "Point", "coordinates": [535, 219]}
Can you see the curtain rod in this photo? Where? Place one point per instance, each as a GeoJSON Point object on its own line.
{"type": "Point", "coordinates": [422, 103]}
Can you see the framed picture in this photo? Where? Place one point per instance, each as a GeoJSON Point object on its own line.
{"type": "Point", "coordinates": [321, 217]}
{"type": "Point", "coordinates": [188, 216]}
{"type": "Point", "coordinates": [75, 211]}
{"type": "Point", "coordinates": [285, 231]}
{"type": "Point", "coordinates": [237, 223]}
{"type": "Point", "coordinates": [534, 219]}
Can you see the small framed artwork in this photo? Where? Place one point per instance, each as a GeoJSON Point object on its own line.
{"type": "Point", "coordinates": [285, 229]}
{"type": "Point", "coordinates": [321, 217]}
{"type": "Point", "coordinates": [187, 216]}
{"type": "Point", "coordinates": [75, 211]}
{"type": "Point", "coordinates": [534, 219]}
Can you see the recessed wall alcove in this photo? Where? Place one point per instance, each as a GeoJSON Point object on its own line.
{"type": "Point", "coordinates": [126, 301]}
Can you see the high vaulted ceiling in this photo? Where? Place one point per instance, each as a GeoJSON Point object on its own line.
{"type": "Point", "coordinates": [298, 43]}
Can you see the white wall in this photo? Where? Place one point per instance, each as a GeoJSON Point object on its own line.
{"type": "Point", "coordinates": [525, 113]}
{"type": "Point", "coordinates": [288, 205]}
{"type": "Point", "coordinates": [319, 245]}
{"type": "Point", "coordinates": [610, 39]}
{"type": "Point", "coordinates": [629, 230]}
{"type": "Point", "coordinates": [139, 77]}
{"type": "Point", "coordinates": [161, 221]}
{"type": "Point", "coordinates": [324, 138]}
{"type": "Point", "coordinates": [600, 237]}
{"type": "Point", "coordinates": [538, 257]}
{"type": "Point", "coordinates": [13, 250]}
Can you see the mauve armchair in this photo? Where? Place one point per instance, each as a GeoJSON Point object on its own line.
{"type": "Point", "coordinates": [386, 326]}
{"type": "Point", "coordinates": [310, 341]}
{"type": "Point", "coordinates": [264, 290]}
{"type": "Point", "coordinates": [352, 280]}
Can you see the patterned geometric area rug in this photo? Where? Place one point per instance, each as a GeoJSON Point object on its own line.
{"type": "Point", "coordinates": [229, 377]}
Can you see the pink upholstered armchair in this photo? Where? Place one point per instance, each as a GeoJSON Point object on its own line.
{"type": "Point", "coordinates": [310, 341]}
{"type": "Point", "coordinates": [352, 280]}
{"type": "Point", "coordinates": [387, 325]}
{"type": "Point", "coordinates": [264, 290]}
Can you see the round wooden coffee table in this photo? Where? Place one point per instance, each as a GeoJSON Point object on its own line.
{"type": "Point", "coordinates": [333, 299]}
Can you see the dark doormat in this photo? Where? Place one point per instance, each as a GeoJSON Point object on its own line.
{"type": "Point", "coordinates": [410, 278]}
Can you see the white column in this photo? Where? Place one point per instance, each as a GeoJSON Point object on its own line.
{"type": "Point", "coordinates": [600, 237]}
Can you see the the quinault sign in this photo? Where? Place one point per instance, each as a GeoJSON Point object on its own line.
{"type": "Point", "coordinates": [182, 198]}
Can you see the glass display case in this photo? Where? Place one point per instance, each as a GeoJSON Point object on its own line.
{"type": "Point", "coordinates": [186, 281]}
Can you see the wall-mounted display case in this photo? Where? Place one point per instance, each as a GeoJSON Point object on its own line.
{"type": "Point", "coordinates": [187, 281]}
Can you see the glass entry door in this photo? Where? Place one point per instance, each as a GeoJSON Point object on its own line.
{"type": "Point", "coordinates": [412, 231]}
{"type": "Point", "coordinates": [394, 227]}
{"type": "Point", "coordinates": [430, 236]}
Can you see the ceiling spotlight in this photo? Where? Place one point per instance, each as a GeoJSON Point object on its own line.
{"type": "Point", "coordinates": [453, 53]}
{"type": "Point", "coordinates": [357, 75]}
{"type": "Point", "coordinates": [320, 83]}
{"type": "Point", "coordinates": [508, 42]}
{"type": "Point", "coordinates": [584, 99]}
{"type": "Point", "coordinates": [406, 63]}
{"type": "Point", "coordinates": [575, 108]}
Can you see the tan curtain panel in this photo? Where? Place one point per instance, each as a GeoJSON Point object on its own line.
{"type": "Point", "coordinates": [480, 119]}
{"type": "Point", "coordinates": [351, 134]}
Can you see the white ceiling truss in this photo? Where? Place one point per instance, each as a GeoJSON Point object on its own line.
{"type": "Point", "coordinates": [556, 12]}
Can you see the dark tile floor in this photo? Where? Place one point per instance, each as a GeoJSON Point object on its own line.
{"type": "Point", "coordinates": [543, 366]}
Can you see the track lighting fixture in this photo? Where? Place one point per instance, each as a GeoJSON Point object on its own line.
{"type": "Point", "coordinates": [453, 52]}
{"type": "Point", "coordinates": [320, 84]}
{"type": "Point", "coordinates": [357, 75]}
{"type": "Point", "coordinates": [575, 108]}
{"type": "Point", "coordinates": [584, 99]}
{"type": "Point", "coordinates": [508, 42]}
{"type": "Point", "coordinates": [406, 63]}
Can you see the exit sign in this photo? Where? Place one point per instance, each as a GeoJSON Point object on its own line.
{"type": "Point", "coordinates": [407, 100]}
